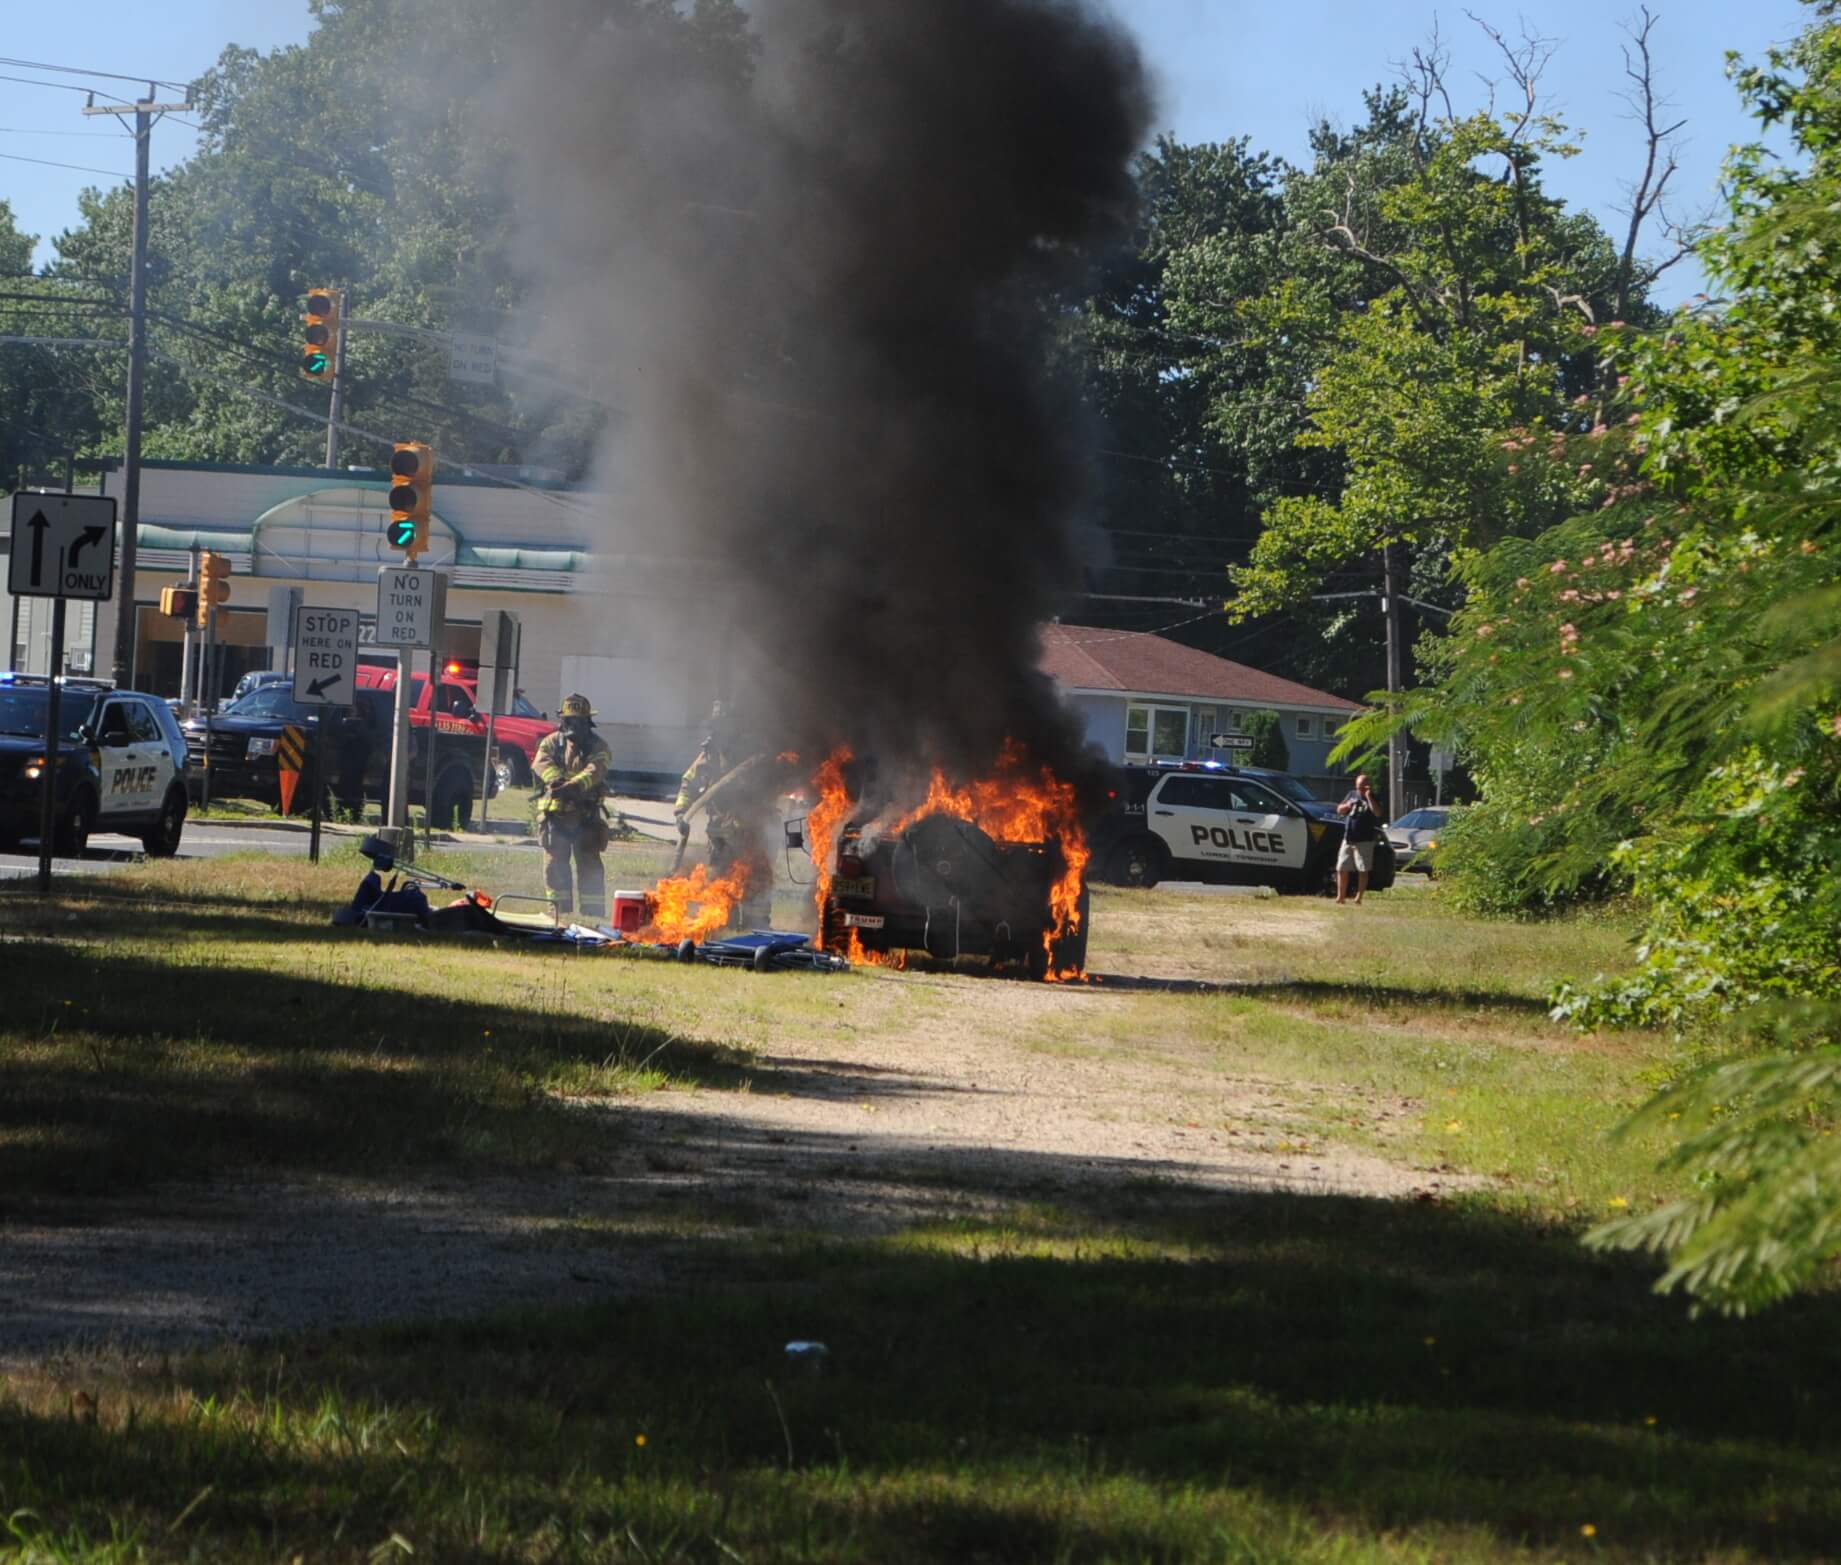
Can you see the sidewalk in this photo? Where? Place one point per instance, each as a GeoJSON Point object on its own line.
{"type": "Point", "coordinates": [647, 816]}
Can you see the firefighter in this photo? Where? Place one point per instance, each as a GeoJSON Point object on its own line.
{"type": "Point", "coordinates": [572, 766]}
{"type": "Point", "coordinates": [732, 820]}
{"type": "Point", "coordinates": [710, 766]}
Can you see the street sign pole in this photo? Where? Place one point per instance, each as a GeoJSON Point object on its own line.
{"type": "Point", "coordinates": [206, 697]}
{"type": "Point", "coordinates": [399, 742]}
{"type": "Point", "coordinates": [322, 651]}
{"type": "Point", "coordinates": [319, 787]}
{"type": "Point", "coordinates": [47, 813]}
{"type": "Point", "coordinates": [499, 646]}
{"type": "Point", "coordinates": [63, 547]}
{"type": "Point", "coordinates": [411, 608]}
{"type": "Point", "coordinates": [434, 725]}
{"type": "Point", "coordinates": [185, 654]}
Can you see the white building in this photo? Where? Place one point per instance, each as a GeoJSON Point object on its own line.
{"type": "Point", "coordinates": [593, 616]}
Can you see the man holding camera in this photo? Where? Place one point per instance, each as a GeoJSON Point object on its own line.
{"type": "Point", "coordinates": [1361, 824]}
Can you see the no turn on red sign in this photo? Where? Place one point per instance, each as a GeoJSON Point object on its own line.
{"type": "Point", "coordinates": [411, 606]}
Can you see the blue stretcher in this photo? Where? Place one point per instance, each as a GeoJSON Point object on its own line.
{"type": "Point", "coordinates": [764, 950]}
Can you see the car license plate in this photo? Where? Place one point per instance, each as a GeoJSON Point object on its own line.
{"type": "Point", "coordinates": [863, 886]}
{"type": "Point", "coordinates": [864, 921]}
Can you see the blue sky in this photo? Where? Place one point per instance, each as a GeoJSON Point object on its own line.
{"type": "Point", "coordinates": [1226, 68]}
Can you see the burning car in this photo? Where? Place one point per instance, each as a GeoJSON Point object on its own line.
{"type": "Point", "coordinates": [996, 869]}
{"type": "Point", "coordinates": [946, 887]}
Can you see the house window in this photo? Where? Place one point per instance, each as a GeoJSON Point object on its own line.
{"type": "Point", "coordinates": [1156, 733]}
{"type": "Point", "coordinates": [1305, 725]}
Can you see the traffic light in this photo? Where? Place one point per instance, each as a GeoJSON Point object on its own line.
{"type": "Point", "coordinates": [320, 352]}
{"type": "Point", "coordinates": [213, 584]}
{"type": "Point", "coordinates": [179, 602]}
{"type": "Point", "coordinates": [413, 469]}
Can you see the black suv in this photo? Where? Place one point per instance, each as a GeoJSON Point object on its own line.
{"type": "Point", "coordinates": [242, 740]}
{"type": "Point", "coordinates": [121, 764]}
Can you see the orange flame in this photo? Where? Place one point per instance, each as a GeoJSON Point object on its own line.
{"type": "Point", "coordinates": [822, 823]}
{"type": "Point", "coordinates": [1022, 802]}
{"type": "Point", "coordinates": [697, 905]}
{"type": "Point", "coordinates": [1018, 802]}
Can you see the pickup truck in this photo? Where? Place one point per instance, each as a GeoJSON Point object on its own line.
{"type": "Point", "coordinates": [515, 735]}
{"type": "Point", "coordinates": [241, 742]}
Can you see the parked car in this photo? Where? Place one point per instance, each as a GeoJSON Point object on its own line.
{"type": "Point", "coordinates": [1200, 820]}
{"type": "Point", "coordinates": [243, 738]}
{"type": "Point", "coordinates": [121, 765]}
{"type": "Point", "coordinates": [255, 679]}
{"type": "Point", "coordinates": [1415, 835]}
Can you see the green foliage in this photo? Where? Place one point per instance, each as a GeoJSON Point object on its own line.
{"type": "Point", "coordinates": [1650, 695]}
{"type": "Point", "coordinates": [383, 172]}
{"type": "Point", "coordinates": [1481, 322]}
{"type": "Point", "coordinates": [1267, 730]}
{"type": "Point", "coordinates": [1757, 1133]}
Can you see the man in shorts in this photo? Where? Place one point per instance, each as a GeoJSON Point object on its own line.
{"type": "Point", "coordinates": [1361, 824]}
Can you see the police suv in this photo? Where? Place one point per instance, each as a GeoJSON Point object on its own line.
{"type": "Point", "coordinates": [1228, 825]}
{"type": "Point", "coordinates": [121, 764]}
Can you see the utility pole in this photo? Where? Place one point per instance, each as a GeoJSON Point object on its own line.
{"type": "Point", "coordinates": [336, 409]}
{"type": "Point", "coordinates": [125, 609]}
{"type": "Point", "coordinates": [1396, 745]}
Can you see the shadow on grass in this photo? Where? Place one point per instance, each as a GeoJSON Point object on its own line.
{"type": "Point", "coordinates": [126, 1069]}
{"type": "Point", "coordinates": [1313, 1378]}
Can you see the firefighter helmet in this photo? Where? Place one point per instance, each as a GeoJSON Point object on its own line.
{"type": "Point", "coordinates": [577, 706]}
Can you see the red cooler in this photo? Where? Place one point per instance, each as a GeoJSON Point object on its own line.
{"type": "Point", "coordinates": [632, 911]}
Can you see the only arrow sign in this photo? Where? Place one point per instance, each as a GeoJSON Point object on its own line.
{"type": "Point", "coordinates": [320, 686]}
{"type": "Point", "coordinates": [39, 525]}
{"type": "Point", "coordinates": [90, 535]}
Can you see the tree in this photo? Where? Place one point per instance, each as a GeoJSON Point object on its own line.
{"type": "Point", "coordinates": [1267, 730]}
{"type": "Point", "coordinates": [340, 163]}
{"type": "Point", "coordinates": [1655, 686]}
{"type": "Point", "coordinates": [47, 410]}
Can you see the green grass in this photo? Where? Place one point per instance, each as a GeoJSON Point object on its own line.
{"type": "Point", "coordinates": [1255, 1378]}
{"type": "Point", "coordinates": [1128, 1371]}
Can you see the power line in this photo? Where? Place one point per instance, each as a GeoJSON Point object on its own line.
{"type": "Point", "coordinates": [28, 81]}
{"type": "Point", "coordinates": [256, 354]}
{"type": "Point", "coordinates": [567, 502]}
{"type": "Point", "coordinates": [80, 70]}
{"type": "Point", "coordinates": [67, 277]}
{"type": "Point", "coordinates": [81, 168]}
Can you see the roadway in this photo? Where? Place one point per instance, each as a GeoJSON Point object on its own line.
{"type": "Point", "coordinates": [204, 840]}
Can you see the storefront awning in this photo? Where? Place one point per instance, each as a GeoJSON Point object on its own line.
{"type": "Point", "coordinates": [337, 534]}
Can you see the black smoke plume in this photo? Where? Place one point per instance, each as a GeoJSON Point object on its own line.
{"type": "Point", "coordinates": [809, 250]}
